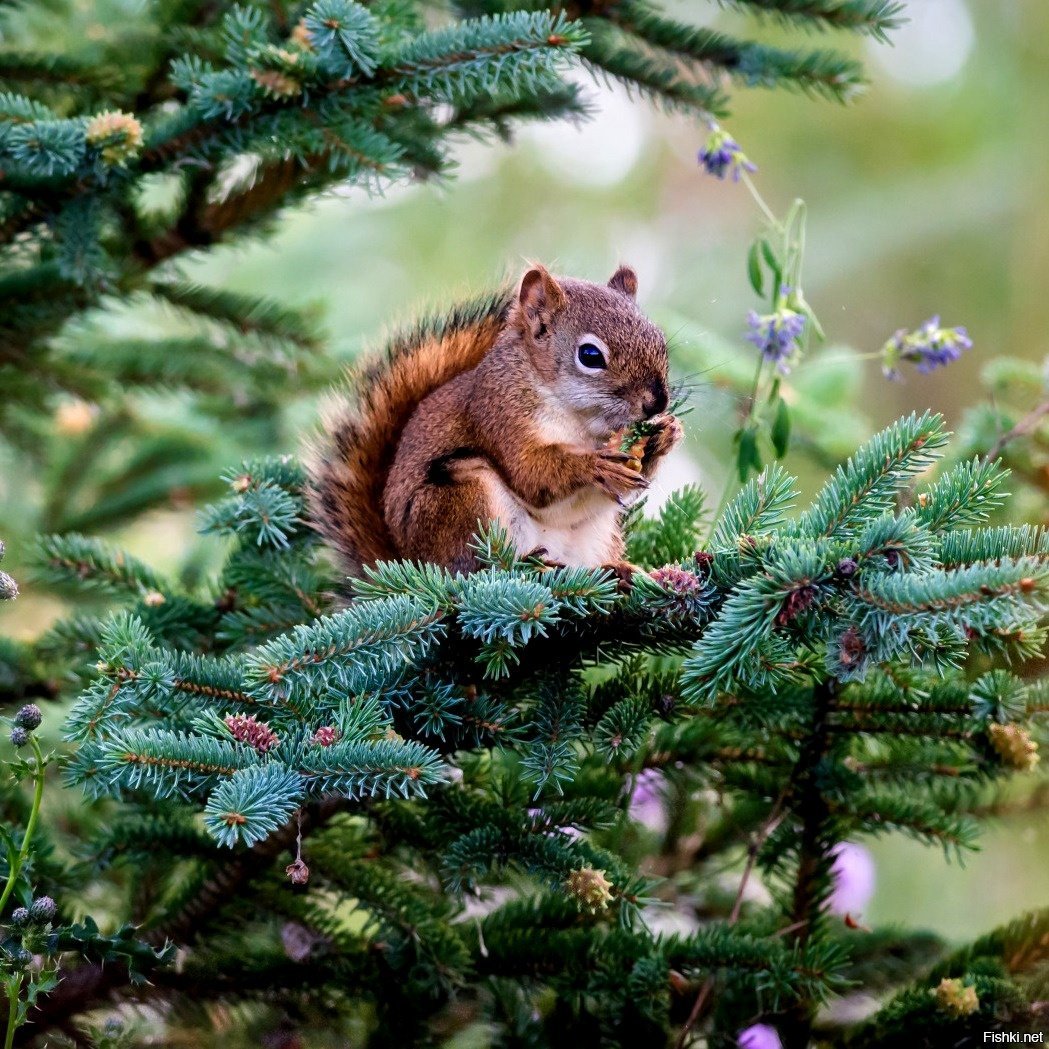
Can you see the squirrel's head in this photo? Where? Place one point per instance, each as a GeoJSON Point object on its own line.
{"type": "Point", "coordinates": [593, 348]}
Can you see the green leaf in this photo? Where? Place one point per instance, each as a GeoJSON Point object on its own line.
{"type": "Point", "coordinates": [770, 258]}
{"type": "Point", "coordinates": [757, 278]}
{"type": "Point", "coordinates": [747, 457]}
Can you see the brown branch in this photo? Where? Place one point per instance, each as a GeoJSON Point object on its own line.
{"type": "Point", "coordinates": [1021, 429]}
{"type": "Point", "coordinates": [774, 819]}
{"type": "Point", "coordinates": [813, 851]}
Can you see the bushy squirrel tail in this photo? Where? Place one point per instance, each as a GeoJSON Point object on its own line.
{"type": "Point", "coordinates": [352, 457]}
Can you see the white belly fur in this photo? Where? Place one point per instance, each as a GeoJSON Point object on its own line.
{"type": "Point", "coordinates": [580, 530]}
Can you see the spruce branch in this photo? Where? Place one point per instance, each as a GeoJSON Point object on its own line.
{"type": "Point", "coordinates": [252, 803]}
{"type": "Point", "coordinates": [865, 487]}
{"type": "Point", "coordinates": [366, 647]}
{"type": "Point", "coordinates": [485, 56]}
{"type": "Point", "coordinates": [244, 313]}
{"type": "Point", "coordinates": [759, 506]}
{"type": "Point", "coordinates": [966, 547]}
{"type": "Point", "coordinates": [674, 535]}
{"type": "Point", "coordinates": [874, 17]}
{"type": "Point", "coordinates": [963, 497]}
{"type": "Point", "coordinates": [88, 561]}
{"type": "Point", "coordinates": [656, 77]}
{"type": "Point", "coordinates": [819, 72]}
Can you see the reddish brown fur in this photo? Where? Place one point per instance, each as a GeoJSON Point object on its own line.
{"type": "Point", "coordinates": [348, 475]}
{"type": "Point", "coordinates": [500, 402]}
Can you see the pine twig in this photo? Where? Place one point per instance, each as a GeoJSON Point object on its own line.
{"type": "Point", "coordinates": [1025, 426]}
{"type": "Point", "coordinates": [775, 817]}
{"type": "Point", "coordinates": [90, 985]}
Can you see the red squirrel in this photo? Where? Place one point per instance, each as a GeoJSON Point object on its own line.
{"type": "Point", "coordinates": [508, 409]}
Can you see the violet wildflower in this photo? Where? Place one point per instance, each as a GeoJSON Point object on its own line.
{"type": "Point", "coordinates": [853, 876]}
{"type": "Point", "coordinates": [759, 1036]}
{"type": "Point", "coordinates": [776, 335]}
{"type": "Point", "coordinates": [721, 155]}
{"type": "Point", "coordinates": [928, 347]}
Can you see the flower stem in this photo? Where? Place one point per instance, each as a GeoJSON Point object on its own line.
{"type": "Point", "coordinates": [760, 201]}
{"type": "Point", "coordinates": [34, 814]}
{"type": "Point", "coordinates": [730, 481]}
{"type": "Point", "coordinates": [13, 988]}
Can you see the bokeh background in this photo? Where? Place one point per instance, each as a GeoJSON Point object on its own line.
{"type": "Point", "coordinates": [930, 194]}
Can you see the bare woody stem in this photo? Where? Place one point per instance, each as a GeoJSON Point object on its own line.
{"type": "Point", "coordinates": [812, 807]}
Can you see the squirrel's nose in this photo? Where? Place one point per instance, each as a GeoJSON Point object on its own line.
{"type": "Point", "coordinates": [656, 399]}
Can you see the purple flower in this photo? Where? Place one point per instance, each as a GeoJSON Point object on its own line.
{"type": "Point", "coordinates": [646, 802]}
{"type": "Point", "coordinates": [759, 1036]}
{"type": "Point", "coordinates": [43, 909]}
{"type": "Point", "coordinates": [721, 155]}
{"type": "Point", "coordinates": [928, 347]}
{"type": "Point", "coordinates": [776, 335]}
{"type": "Point", "coordinates": [853, 875]}
{"type": "Point", "coordinates": [29, 717]}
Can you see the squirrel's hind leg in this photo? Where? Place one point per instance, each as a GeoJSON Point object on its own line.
{"type": "Point", "coordinates": [442, 516]}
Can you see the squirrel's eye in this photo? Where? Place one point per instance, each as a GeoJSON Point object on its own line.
{"type": "Point", "coordinates": [590, 356]}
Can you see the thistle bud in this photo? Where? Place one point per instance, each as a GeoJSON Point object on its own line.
{"type": "Point", "coordinates": [29, 717]}
{"type": "Point", "coordinates": [8, 587]}
{"type": "Point", "coordinates": [43, 909]}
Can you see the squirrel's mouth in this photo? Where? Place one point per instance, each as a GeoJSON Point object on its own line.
{"type": "Point", "coordinates": [623, 418]}
{"type": "Point", "coordinates": [605, 415]}
{"type": "Point", "coordinates": [604, 422]}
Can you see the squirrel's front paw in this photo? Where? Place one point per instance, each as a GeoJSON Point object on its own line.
{"type": "Point", "coordinates": [666, 432]}
{"type": "Point", "coordinates": [615, 477]}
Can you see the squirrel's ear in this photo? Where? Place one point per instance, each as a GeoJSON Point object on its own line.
{"type": "Point", "coordinates": [624, 280]}
{"type": "Point", "coordinates": [540, 298]}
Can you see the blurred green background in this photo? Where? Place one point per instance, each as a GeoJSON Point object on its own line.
{"type": "Point", "coordinates": [929, 195]}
